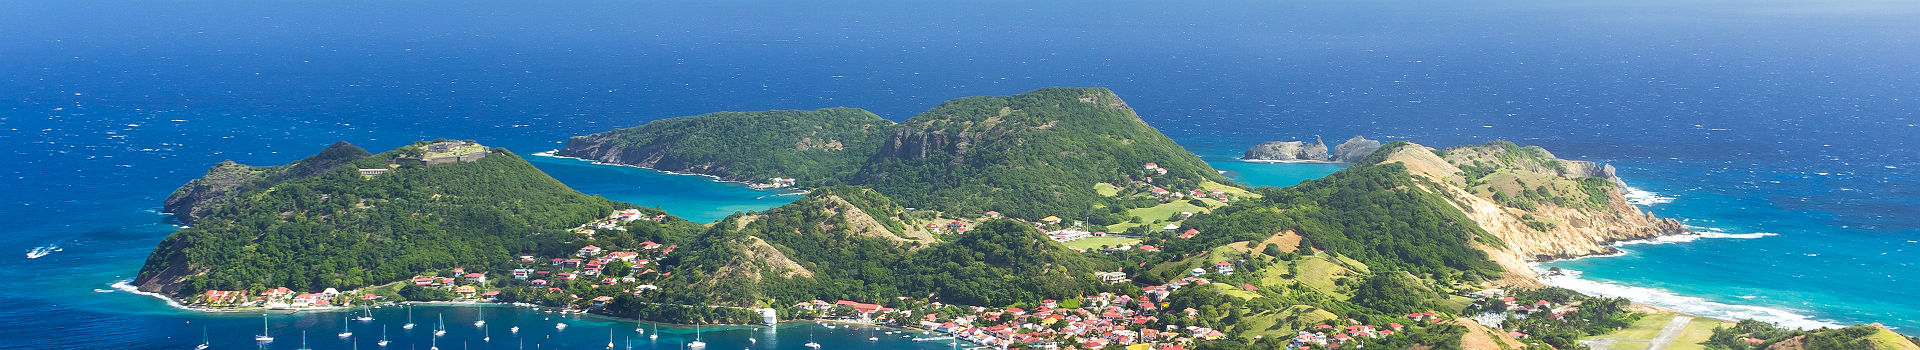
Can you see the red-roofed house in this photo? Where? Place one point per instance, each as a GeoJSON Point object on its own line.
{"type": "Point", "coordinates": [1190, 233]}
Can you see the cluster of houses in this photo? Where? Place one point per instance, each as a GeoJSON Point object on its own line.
{"type": "Point", "coordinates": [1197, 193]}
{"type": "Point", "coordinates": [778, 182]}
{"type": "Point", "coordinates": [591, 262]}
{"type": "Point", "coordinates": [277, 298]}
{"type": "Point", "coordinates": [955, 227]}
{"type": "Point", "coordinates": [1098, 321]}
{"type": "Point", "coordinates": [613, 221]}
{"type": "Point", "coordinates": [1221, 267]}
{"type": "Point", "coordinates": [1330, 336]}
{"type": "Point", "coordinates": [1155, 168]}
{"type": "Point", "coordinates": [1069, 235]}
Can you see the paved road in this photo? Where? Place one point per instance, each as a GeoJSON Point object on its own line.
{"type": "Point", "coordinates": [1672, 331]}
{"type": "Point", "coordinates": [1667, 334]}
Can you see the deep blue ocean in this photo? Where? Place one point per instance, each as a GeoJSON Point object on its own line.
{"type": "Point", "coordinates": [1787, 128]}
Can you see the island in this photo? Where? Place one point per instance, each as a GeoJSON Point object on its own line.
{"type": "Point", "coordinates": [1296, 151]}
{"type": "Point", "coordinates": [1055, 218]}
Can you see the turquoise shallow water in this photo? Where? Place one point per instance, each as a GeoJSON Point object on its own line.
{"type": "Point", "coordinates": [697, 198]}
{"type": "Point", "coordinates": [1758, 260]}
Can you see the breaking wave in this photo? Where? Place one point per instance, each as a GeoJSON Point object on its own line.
{"type": "Point", "coordinates": [1570, 279]}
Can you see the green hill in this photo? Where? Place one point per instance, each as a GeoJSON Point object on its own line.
{"type": "Point", "coordinates": [228, 181]}
{"type": "Point", "coordinates": [338, 228]}
{"type": "Point", "coordinates": [816, 147]}
{"type": "Point", "coordinates": [1030, 155]}
{"type": "Point", "coordinates": [840, 243]}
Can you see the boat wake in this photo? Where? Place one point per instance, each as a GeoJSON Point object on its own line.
{"type": "Point", "coordinates": [1570, 279]}
{"type": "Point", "coordinates": [41, 251]}
{"type": "Point", "coordinates": [1642, 197]}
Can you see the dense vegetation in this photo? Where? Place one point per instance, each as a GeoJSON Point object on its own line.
{"type": "Point", "coordinates": [1029, 156]}
{"type": "Point", "coordinates": [997, 263]}
{"type": "Point", "coordinates": [229, 181]}
{"type": "Point", "coordinates": [817, 147]}
{"type": "Point", "coordinates": [1376, 214]}
{"type": "Point", "coordinates": [1596, 316]}
{"type": "Point", "coordinates": [340, 229]}
{"type": "Point", "coordinates": [1750, 334]}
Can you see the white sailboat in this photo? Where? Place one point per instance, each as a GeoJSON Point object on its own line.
{"type": "Point", "coordinates": [486, 334]}
{"type": "Point", "coordinates": [696, 344]}
{"type": "Point", "coordinates": [346, 329]}
{"type": "Point", "coordinates": [409, 325]}
{"type": "Point", "coordinates": [656, 332]}
{"type": "Point", "coordinates": [440, 328]}
{"type": "Point", "coordinates": [609, 338]}
{"type": "Point", "coordinates": [383, 338]}
{"type": "Point", "coordinates": [366, 317]}
{"type": "Point", "coordinates": [514, 330]}
{"type": "Point", "coordinates": [204, 344]}
{"type": "Point", "coordinates": [303, 341]}
{"type": "Point", "coordinates": [482, 322]}
{"type": "Point", "coordinates": [434, 344]}
{"type": "Point", "coordinates": [810, 343]}
{"type": "Point", "coordinates": [560, 326]}
{"type": "Point", "coordinates": [263, 337]}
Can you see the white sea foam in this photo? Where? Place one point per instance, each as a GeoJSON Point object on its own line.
{"type": "Point", "coordinates": [126, 285]}
{"type": "Point", "coordinates": [1697, 235]}
{"type": "Point", "coordinates": [1642, 197]}
{"type": "Point", "coordinates": [1685, 304]}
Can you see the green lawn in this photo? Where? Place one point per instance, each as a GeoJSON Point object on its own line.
{"type": "Point", "coordinates": [1646, 328]}
{"type": "Point", "coordinates": [1160, 213]}
{"type": "Point", "coordinates": [1234, 192]}
{"type": "Point", "coordinates": [1315, 272]}
{"type": "Point", "coordinates": [1696, 332]}
{"type": "Point", "coordinates": [1628, 345]}
{"type": "Point", "coordinates": [1281, 323]}
{"type": "Point", "coordinates": [1096, 242]}
{"type": "Point", "coordinates": [1106, 189]}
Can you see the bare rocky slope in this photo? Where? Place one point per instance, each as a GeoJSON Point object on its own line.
{"type": "Point", "coordinates": [1568, 209]}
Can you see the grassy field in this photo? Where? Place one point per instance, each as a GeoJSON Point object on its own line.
{"type": "Point", "coordinates": [1281, 323]}
{"type": "Point", "coordinates": [1106, 189]}
{"type": "Point", "coordinates": [1235, 192]}
{"type": "Point", "coordinates": [1316, 271]}
{"type": "Point", "coordinates": [1628, 345]}
{"type": "Point", "coordinates": [1696, 332]}
{"type": "Point", "coordinates": [1160, 213]}
{"type": "Point", "coordinates": [1645, 328]}
{"type": "Point", "coordinates": [1096, 242]}
{"type": "Point", "coordinates": [1235, 291]}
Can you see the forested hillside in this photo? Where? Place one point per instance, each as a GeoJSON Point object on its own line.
{"type": "Point", "coordinates": [1030, 155]}
{"type": "Point", "coordinates": [341, 229]}
{"type": "Point", "coordinates": [817, 147]}
{"type": "Point", "coordinates": [834, 244]}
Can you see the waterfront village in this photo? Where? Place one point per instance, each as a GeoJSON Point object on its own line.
{"type": "Point", "coordinates": [1092, 322]}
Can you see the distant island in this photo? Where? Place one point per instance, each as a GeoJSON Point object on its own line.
{"type": "Point", "coordinates": [1053, 218]}
{"type": "Point", "coordinates": [1295, 151]}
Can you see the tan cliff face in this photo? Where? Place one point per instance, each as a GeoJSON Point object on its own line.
{"type": "Point", "coordinates": [1574, 232]}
